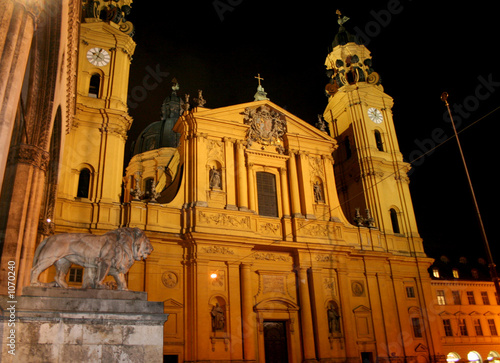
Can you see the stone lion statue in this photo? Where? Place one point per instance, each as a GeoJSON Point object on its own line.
{"type": "Point", "coordinates": [112, 253]}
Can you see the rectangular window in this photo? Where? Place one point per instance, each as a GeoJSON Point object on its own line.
{"type": "Point", "coordinates": [497, 298]}
{"type": "Point", "coordinates": [440, 297]}
{"type": "Point", "coordinates": [417, 328]}
{"type": "Point", "coordinates": [462, 327]}
{"type": "Point", "coordinates": [492, 326]}
{"type": "Point", "coordinates": [447, 327]}
{"type": "Point", "coordinates": [470, 298]}
{"type": "Point", "coordinates": [456, 298]}
{"type": "Point", "coordinates": [75, 274]}
{"type": "Point", "coordinates": [410, 291]}
{"type": "Point", "coordinates": [484, 296]}
{"type": "Point", "coordinates": [455, 273]}
{"type": "Point", "coordinates": [266, 194]}
{"type": "Point", "coordinates": [478, 328]}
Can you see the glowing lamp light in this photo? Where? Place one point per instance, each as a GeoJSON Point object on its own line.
{"type": "Point", "coordinates": [473, 357]}
{"type": "Point", "coordinates": [49, 220]}
{"type": "Point", "coordinates": [213, 275]}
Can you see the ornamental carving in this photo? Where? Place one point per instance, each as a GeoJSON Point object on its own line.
{"type": "Point", "coordinates": [169, 279]}
{"type": "Point", "coordinates": [267, 126]}
{"type": "Point", "coordinates": [224, 220]}
{"type": "Point", "coordinates": [271, 257]}
{"type": "Point", "coordinates": [218, 250]}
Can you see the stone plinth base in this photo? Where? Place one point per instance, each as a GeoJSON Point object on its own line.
{"type": "Point", "coordinates": [70, 325]}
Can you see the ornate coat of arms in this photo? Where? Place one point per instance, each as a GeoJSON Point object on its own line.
{"type": "Point", "coordinates": [267, 126]}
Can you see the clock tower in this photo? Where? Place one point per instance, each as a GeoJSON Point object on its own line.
{"type": "Point", "coordinates": [369, 167]}
{"type": "Point", "coordinates": [89, 187]}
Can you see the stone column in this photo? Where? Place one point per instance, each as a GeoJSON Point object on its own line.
{"type": "Point", "coordinates": [319, 313]}
{"type": "Point", "coordinates": [230, 171]}
{"type": "Point", "coordinates": [252, 205]}
{"type": "Point", "coordinates": [201, 178]}
{"type": "Point", "coordinates": [284, 193]}
{"type": "Point", "coordinates": [234, 312]}
{"type": "Point", "coordinates": [346, 315]}
{"type": "Point", "coordinates": [17, 24]}
{"type": "Point", "coordinates": [241, 175]}
{"type": "Point", "coordinates": [330, 189]}
{"type": "Point", "coordinates": [203, 323]}
{"type": "Point", "coordinates": [247, 313]}
{"type": "Point", "coordinates": [21, 225]}
{"type": "Point", "coordinates": [305, 185]}
{"type": "Point", "coordinates": [306, 316]}
{"type": "Point", "coordinates": [294, 185]}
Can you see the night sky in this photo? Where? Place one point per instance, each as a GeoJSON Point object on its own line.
{"type": "Point", "coordinates": [418, 49]}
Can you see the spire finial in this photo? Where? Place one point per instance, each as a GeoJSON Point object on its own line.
{"type": "Point", "coordinates": [259, 78]}
{"type": "Point", "coordinates": [261, 94]}
{"type": "Point", "coordinates": [342, 19]}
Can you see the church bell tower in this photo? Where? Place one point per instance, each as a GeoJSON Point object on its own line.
{"type": "Point", "coordinates": [371, 174]}
{"type": "Point", "coordinates": [91, 175]}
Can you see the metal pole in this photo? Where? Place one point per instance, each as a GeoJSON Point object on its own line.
{"type": "Point", "coordinates": [491, 264]}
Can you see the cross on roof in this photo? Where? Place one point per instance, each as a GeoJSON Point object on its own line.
{"type": "Point", "coordinates": [259, 78]}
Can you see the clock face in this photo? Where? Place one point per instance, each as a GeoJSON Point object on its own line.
{"type": "Point", "coordinates": [98, 57]}
{"type": "Point", "coordinates": [375, 115]}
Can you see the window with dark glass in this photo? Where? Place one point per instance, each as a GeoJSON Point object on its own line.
{"type": "Point", "coordinates": [394, 221]}
{"type": "Point", "coordinates": [347, 145]}
{"type": "Point", "coordinates": [456, 297]}
{"type": "Point", "coordinates": [493, 327]}
{"type": "Point", "coordinates": [478, 328]}
{"type": "Point", "coordinates": [470, 298]}
{"type": "Point", "coordinates": [83, 184]}
{"type": "Point", "coordinates": [463, 327]}
{"type": "Point", "coordinates": [378, 141]}
{"type": "Point", "coordinates": [484, 296]}
{"type": "Point", "coordinates": [95, 84]}
{"type": "Point", "coordinates": [447, 328]}
{"type": "Point", "coordinates": [266, 194]}
{"type": "Point", "coordinates": [75, 274]}
{"type": "Point", "coordinates": [417, 328]}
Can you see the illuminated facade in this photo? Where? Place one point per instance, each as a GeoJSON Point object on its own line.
{"type": "Point", "coordinates": [260, 252]}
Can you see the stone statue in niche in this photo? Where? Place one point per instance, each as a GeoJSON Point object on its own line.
{"type": "Point", "coordinates": [215, 179]}
{"type": "Point", "coordinates": [333, 319]}
{"type": "Point", "coordinates": [218, 319]}
{"type": "Point", "coordinates": [112, 253]}
{"type": "Point", "coordinates": [318, 193]}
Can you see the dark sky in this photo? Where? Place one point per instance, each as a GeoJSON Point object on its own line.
{"type": "Point", "coordinates": [418, 49]}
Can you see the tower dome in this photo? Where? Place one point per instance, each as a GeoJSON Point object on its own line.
{"type": "Point", "coordinates": [159, 134]}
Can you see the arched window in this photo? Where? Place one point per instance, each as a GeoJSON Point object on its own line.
{"type": "Point", "coordinates": [267, 195]}
{"type": "Point", "coordinates": [83, 184]}
{"type": "Point", "coordinates": [95, 85]}
{"type": "Point", "coordinates": [394, 221]}
{"type": "Point", "coordinates": [378, 141]}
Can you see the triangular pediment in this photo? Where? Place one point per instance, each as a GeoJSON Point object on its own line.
{"type": "Point", "coordinates": [236, 118]}
{"type": "Point", "coordinates": [171, 303]}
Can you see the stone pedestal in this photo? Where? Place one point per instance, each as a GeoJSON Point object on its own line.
{"type": "Point", "coordinates": [88, 325]}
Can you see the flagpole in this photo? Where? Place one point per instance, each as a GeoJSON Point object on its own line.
{"type": "Point", "coordinates": [491, 264]}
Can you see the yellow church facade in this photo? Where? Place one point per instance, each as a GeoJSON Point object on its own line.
{"type": "Point", "coordinates": [274, 241]}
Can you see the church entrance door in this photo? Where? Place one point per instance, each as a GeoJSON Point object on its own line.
{"type": "Point", "coordinates": [275, 342]}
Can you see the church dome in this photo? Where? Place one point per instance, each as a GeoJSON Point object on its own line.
{"type": "Point", "coordinates": [159, 134]}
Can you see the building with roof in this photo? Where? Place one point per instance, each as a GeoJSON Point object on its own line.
{"type": "Point", "coordinates": [274, 240]}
